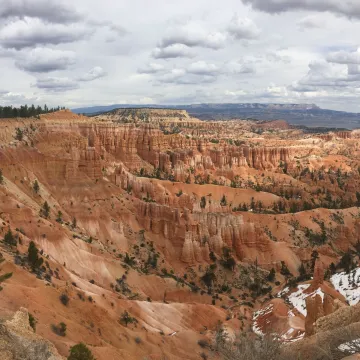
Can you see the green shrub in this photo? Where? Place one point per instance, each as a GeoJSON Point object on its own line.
{"type": "Point", "coordinates": [59, 329]}
{"type": "Point", "coordinates": [32, 322]}
{"type": "Point", "coordinates": [80, 352]}
{"type": "Point", "coordinates": [64, 299]}
{"type": "Point", "coordinates": [126, 319]}
{"type": "Point", "coordinates": [5, 277]}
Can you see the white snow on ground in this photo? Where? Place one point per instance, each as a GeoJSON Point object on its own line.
{"type": "Point", "coordinates": [351, 346]}
{"type": "Point", "coordinates": [289, 335]}
{"type": "Point", "coordinates": [348, 285]}
{"type": "Point", "coordinates": [260, 313]}
{"type": "Point", "coordinates": [283, 292]}
{"type": "Point", "coordinates": [297, 298]}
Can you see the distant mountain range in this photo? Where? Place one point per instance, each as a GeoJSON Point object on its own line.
{"type": "Point", "coordinates": [297, 114]}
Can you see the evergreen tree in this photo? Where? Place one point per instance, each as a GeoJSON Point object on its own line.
{"type": "Point", "coordinates": [252, 204]}
{"type": "Point", "coordinates": [346, 262]}
{"type": "Point", "coordinates": [59, 217]}
{"type": "Point", "coordinates": [36, 186]}
{"type": "Point", "coordinates": [332, 268]}
{"type": "Point", "coordinates": [45, 210]}
{"type": "Point", "coordinates": [284, 269]}
{"type": "Point", "coordinates": [1, 177]}
{"type": "Point", "coordinates": [302, 272]}
{"type": "Point", "coordinates": [74, 222]}
{"type": "Point", "coordinates": [314, 256]}
{"type": "Point", "coordinates": [208, 278]}
{"type": "Point", "coordinates": [80, 352]}
{"type": "Point", "coordinates": [223, 201]}
{"type": "Point", "coordinates": [10, 239]}
{"type": "Point", "coordinates": [33, 256]}
{"type": "Point", "coordinates": [25, 111]}
{"type": "Point", "coordinates": [271, 276]}
{"type": "Point", "coordinates": [19, 134]}
{"type": "Point", "coordinates": [203, 202]}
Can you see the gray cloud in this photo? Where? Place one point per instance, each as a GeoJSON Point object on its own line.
{"type": "Point", "coordinates": [196, 73]}
{"type": "Point", "coordinates": [95, 73]}
{"type": "Point", "coordinates": [42, 60]}
{"type": "Point", "coordinates": [151, 68]}
{"type": "Point", "coordinates": [240, 68]}
{"type": "Point", "coordinates": [204, 53]}
{"type": "Point", "coordinates": [173, 51]}
{"type": "Point", "coordinates": [192, 35]}
{"type": "Point", "coordinates": [56, 84]}
{"type": "Point", "coordinates": [11, 98]}
{"type": "Point", "coordinates": [243, 28]}
{"type": "Point", "coordinates": [278, 58]}
{"type": "Point", "coordinates": [32, 32]}
{"type": "Point", "coordinates": [118, 29]}
{"type": "Point", "coordinates": [325, 76]}
{"type": "Point", "coordinates": [188, 79]}
{"type": "Point", "coordinates": [349, 8]}
{"type": "Point", "coordinates": [344, 57]}
{"type": "Point", "coordinates": [311, 22]}
{"type": "Point", "coordinates": [52, 11]}
{"type": "Point", "coordinates": [202, 68]}
{"type": "Point", "coordinates": [353, 69]}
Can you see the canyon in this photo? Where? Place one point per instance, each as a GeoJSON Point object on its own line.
{"type": "Point", "coordinates": [156, 229]}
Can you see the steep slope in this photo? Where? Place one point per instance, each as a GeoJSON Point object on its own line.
{"type": "Point", "coordinates": [158, 228]}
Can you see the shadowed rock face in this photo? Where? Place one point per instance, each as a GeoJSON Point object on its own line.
{"type": "Point", "coordinates": [19, 342]}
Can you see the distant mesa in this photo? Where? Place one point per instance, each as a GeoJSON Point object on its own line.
{"type": "Point", "coordinates": [309, 115]}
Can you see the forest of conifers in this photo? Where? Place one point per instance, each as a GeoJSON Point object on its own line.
{"type": "Point", "coordinates": [25, 111]}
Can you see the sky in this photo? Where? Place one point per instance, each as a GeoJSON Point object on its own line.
{"type": "Point", "coordinates": [91, 52]}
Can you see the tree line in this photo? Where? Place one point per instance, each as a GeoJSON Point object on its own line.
{"type": "Point", "coordinates": [26, 111]}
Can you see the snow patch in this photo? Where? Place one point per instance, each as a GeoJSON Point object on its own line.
{"type": "Point", "coordinates": [350, 346]}
{"type": "Point", "coordinates": [257, 316]}
{"type": "Point", "coordinates": [283, 292]}
{"type": "Point", "coordinates": [348, 285]}
{"type": "Point", "coordinates": [297, 298]}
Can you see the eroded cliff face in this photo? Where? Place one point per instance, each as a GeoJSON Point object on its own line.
{"type": "Point", "coordinates": [150, 211]}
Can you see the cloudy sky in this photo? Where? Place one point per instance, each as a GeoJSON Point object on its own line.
{"type": "Point", "coordinates": [90, 52]}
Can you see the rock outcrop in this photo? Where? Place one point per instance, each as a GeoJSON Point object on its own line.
{"type": "Point", "coordinates": [19, 342]}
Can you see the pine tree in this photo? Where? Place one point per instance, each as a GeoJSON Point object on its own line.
{"type": "Point", "coordinates": [271, 276]}
{"type": "Point", "coordinates": [302, 271]}
{"type": "Point", "coordinates": [223, 201]}
{"type": "Point", "coordinates": [45, 210]}
{"type": "Point", "coordinates": [34, 260]}
{"type": "Point", "coordinates": [36, 186]}
{"type": "Point", "coordinates": [10, 239]}
{"type": "Point", "coordinates": [59, 217]}
{"type": "Point", "coordinates": [19, 134]}
{"type": "Point", "coordinates": [1, 177]}
{"type": "Point", "coordinates": [203, 202]}
{"type": "Point", "coordinates": [284, 269]}
{"type": "Point", "coordinates": [332, 268]}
